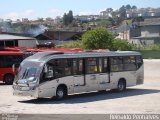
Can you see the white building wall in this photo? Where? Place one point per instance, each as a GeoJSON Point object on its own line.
{"type": "Point", "coordinates": [27, 43]}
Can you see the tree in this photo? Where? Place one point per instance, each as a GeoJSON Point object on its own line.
{"type": "Point", "coordinates": [134, 7]}
{"type": "Point", "coordinates": [122, 13]}
{"type": "Point", "coordinates": [98, 38]}
{"type": "Point", "coordinates": [40, 19]}
{"type": "Point", "coordinates": [109, 10]}
{"type": "Point", "coordinates": [104, 23]}
{"type": "Point", "coordinates": [65, 19]}
{"type": "Point", "coordinates": [68, 18]}
{"type": "Point", "coordinates": [128, 7]}
{"type": "Point", "coordinates": [119, 44]}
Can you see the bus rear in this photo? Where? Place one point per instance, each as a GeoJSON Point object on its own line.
{"type": "Point", "coordinates": [7, 60]}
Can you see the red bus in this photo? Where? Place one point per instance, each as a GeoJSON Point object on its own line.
{"type": "Point", "coordinates": [7, 59]}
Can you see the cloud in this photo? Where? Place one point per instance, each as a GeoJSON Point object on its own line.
{"type": "Point", "coordinates": [12, 15]}
{"type": "Point", "coordinates": [29, 13]}
{"type": "Point", "coordinates": [18, 15]}
{"type": "Point", "coordinates": [55, 12]}
{"type": "Point", "coordinates": [91, 12]}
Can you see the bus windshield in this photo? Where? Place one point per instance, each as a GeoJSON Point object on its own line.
{"type": "Point", "coordinates": [28, 70]}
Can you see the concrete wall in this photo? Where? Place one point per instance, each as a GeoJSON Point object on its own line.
{"type": "Point", "coordinates": [135, 32]}
{"type": "Point", "coordinates": [146, 41]}
{"type": "Point", "coordinates": [150, 31]}
{"type": "Point", "coordinates": [27, 43]}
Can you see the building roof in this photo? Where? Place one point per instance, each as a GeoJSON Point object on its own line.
{"type": "Point", "coordinates": [150, 24]}
{"type": "Point", "coordinates": [7, 37]}
{"type": "Point", "coordinates": [146, 37]}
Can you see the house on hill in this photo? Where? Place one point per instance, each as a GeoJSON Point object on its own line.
{"type": "Point", "coordinates": [150, 34]}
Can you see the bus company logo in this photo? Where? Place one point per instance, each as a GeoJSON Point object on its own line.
{"type": "Point", "coordinates": [134, 117]}
{"type": "Point", "coordinates": [9, 117]}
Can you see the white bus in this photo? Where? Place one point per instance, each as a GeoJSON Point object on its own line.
{"type": "Point", "coordinates": [49, 74]}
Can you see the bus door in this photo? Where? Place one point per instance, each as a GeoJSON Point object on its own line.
{"type": "Point", "coordinates": [78, 74]}
{"type": "Point", "coordinates": [91, 74]}
{"type": "Point", "coordinates": [103, 74]}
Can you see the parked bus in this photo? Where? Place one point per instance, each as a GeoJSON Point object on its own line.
{"type": "Point", "coordinates": [7, 59]}
{"type": "Point", "coordinates": [49, 74]}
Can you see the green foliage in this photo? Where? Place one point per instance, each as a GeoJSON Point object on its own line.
{"type": "Point", "coordinates": [134, 7]}
{"type": "Point", "coordinates": [128, 7]}
{"type": "Point", "coordinates": [98, 38]}
{"type": "Point", "coordinates": [148, 47]}
{"type": "Point", "coordinates": [104, 23]}
{"type": "Point", "coordinates": [123, 45]}
{"type": "Point", "coordinates": [75, 44]}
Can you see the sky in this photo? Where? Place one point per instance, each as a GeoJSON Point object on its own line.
{"type": "Point", "coordinates": [33, 9]}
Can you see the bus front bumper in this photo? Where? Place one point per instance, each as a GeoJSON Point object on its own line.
{"type": "Point", "coordinates": [24, 91]}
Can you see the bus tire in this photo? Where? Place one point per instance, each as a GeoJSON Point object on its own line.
{"type": "Point", "coordinates": [8, 79]}
{"type": "Point", "coordinates": [121, 86]}
{"type": "Point", "coordinates": [61, 92]}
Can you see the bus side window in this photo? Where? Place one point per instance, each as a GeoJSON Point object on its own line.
{"type": "Point", "coordinates": [58, 65]}
{"type": "Point", "coordinates": [139, 61]}
{"type": "Point", "coordinates": [129, 63]}
{"type": "Point", "coordinates": [75, 70]}
{"type": "Point", "coordinates": [68, 66]}
{"type": "Point", "coordinates": [116, 64]}
{"type": "Point", "coordinates": [100, 65]}
{"type": "Point", "coordinates": [91, 66]}
{"type": "Point", "coordinates": [105, 65]}
{"type": "Point", "coordinates": [78, 67]}
{"type": "Point", "coordinates": [1, 61]}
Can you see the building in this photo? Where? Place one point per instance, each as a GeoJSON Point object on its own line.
{"type": "Point", "coordinates": [149, 34]}
{"type": "Point", "coordinates": [8, 40]}
{"type": "Point", "coordinates": [84, 18]}
{"type": "Point", "coordinates": [57, 37]}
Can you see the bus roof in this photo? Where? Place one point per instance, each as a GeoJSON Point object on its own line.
{"type": "Point", "coordinates": [44, 56]}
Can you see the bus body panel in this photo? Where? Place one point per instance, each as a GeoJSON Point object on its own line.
{"type": "Point", "coordinates": [129, 77]}
{"type": "Point", "coordinates": [48, 89]}
{"type": "Point", "coordinates": [140, 75]}
{"type": "Point", "coordinates": [92, 82]}
{"type": "Point", "coordinates": [79, 84]}
{"type": "Point", "coordinates": [103, 81]}
{"type": "Point", "coordinates": [5, 71]}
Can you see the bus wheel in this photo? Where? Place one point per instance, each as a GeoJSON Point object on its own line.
{"type": "Point", "coordinates": [8, 79]}
{"type": "Point", "coordinates": [121, 85]}
{"type": "Point", "coordinates": [61, 92]}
